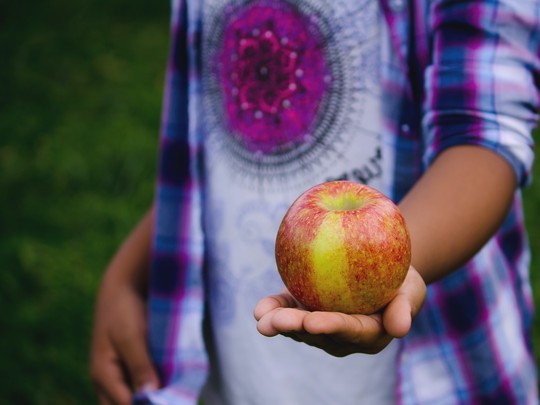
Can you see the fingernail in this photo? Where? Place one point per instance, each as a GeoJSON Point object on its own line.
{"type": "Point", "coordinates": [149, 386]}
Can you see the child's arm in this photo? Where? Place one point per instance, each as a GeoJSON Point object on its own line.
{"type": "Point", "coordinates": [451, 212]}
{"type": "Point", "coordinates": [456, 207]}
{"type": "Point", "coordinates": [119, 359]}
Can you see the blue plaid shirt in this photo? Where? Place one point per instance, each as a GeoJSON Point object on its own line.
{"type": "Point", "coordinates": [464, 72]}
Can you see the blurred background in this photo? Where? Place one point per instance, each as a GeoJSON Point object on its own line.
{"type": "Point", "coordinates": [80, 98]}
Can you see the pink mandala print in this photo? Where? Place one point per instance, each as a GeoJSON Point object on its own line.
{"type": "Point", "coordinates": [273, 75]}
{"type": "Point", "coordinates": [276, 87]}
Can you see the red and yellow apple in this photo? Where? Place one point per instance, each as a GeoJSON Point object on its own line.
{"type": "Point", "coordinates": [343, 246]}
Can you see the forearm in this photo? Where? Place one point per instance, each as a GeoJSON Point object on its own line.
{"type": "Point", "coordinates": [130, 264]}
{"type": "Point", "coordinates": [455, 208]}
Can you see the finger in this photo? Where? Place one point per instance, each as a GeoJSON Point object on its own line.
{"type": "Point", "coordinates": [104, 400]}
{"type": "Point", "coordinates": [356, 329]}
{"type": "Point", "coordinates": [397, 317]}
{"type": "Point", "coordinates": [129, 340]}
{"type": "Point", "coordinates": [110, 384]}
{"type": "Point", "coordinates": [268, 304]}
{"type": "Point", "coordinates": [106, 371]}
{"type": "Point", "coordinates": [289, 320]}
{"type": "Point", "coordinates": [399, 313]}
{"type": "Point", "coordinates": [337, 347]}
{"type": "Point", "coordinates": [281, 321]}
{"type": "Point", "coordinates": [142, 374]}
{"type": "Point", "coordinates": [324, 342]}
{"type": "Point", "coordinates": [418, 285]}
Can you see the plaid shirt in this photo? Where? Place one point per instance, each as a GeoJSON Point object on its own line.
{"type": "Point", "coordinates": [465, 72]}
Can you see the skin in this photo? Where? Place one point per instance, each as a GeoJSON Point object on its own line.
{"type": "Point", "coordinates": [451, 212]}
{"type": "Point", "coordinates": [119, 360]}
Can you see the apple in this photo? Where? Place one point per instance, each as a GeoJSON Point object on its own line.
{"type": "Point", "coordinates": [343, 246]}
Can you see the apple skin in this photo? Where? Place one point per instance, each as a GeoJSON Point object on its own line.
{"type": "Point", "coordinates": [343, 246]}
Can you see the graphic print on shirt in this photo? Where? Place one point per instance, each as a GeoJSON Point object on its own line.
{"type": "Point", "coordinates": [285, 91]}
{"type": "Point", "coordinates": [240, 276]}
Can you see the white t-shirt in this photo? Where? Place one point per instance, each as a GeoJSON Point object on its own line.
{"type": "Point", "coordinates": [291, 98]}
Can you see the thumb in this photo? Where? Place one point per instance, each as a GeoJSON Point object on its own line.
{"type": "Point", "coordinates": [398, 315]}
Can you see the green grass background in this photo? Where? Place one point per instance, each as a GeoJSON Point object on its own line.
{"type": "Point", "coordinates": [80, 98]}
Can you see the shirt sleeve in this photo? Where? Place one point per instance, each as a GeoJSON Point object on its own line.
{"type": "Point", "coordinates": [482, 83]}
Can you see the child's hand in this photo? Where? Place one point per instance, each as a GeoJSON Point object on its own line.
{"type": "Point", "coordinates": [119, 360]}
{"type": "Point", "coordinates": [120, 363]}
{"type": "Point", "coordinates": [340, 334]}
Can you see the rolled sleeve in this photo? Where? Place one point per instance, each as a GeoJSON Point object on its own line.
{"type": "Point", "coordinates": [482, 83]}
